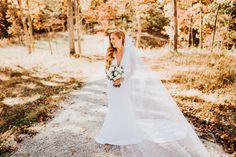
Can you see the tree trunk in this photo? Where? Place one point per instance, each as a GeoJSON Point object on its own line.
{"type": "Point", "coordinates": [214, 28]}
{"type": "Point", "coordinates": [190, 33]}
{"type": "Point", "coordinates": [200, 26]}
{"type": "Point", "coordinates": [78, 17]}
{"type": "Point", "coordinates": [190, 41]}
{"type": "Point", "coordinates": [26, 33]}
{"type": "Point", "coordinates": [139, 31]}
{"type": "Point", "coordinates": [63, 11]}
{"type": "Point", "coordinates": [49, 40]}
{"type": "Point", "coordinates": [70, 27]}
{"type": "Point", "coordinates": [175, 25]}
{"type": "Point", "coordinates": [31, 42]}
{"type": "Point", "coordinates": [124, 23]}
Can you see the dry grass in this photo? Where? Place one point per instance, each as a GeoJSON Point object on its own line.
{"type": "Point", "coordinates": [209, 74]}
{"type": "Point", "coordinates": [17, 116]}
{"type": "Point", "coordinates": [217, 71]}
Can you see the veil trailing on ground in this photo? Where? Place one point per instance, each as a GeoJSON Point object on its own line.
{"type": "Point", "coordinates": [165, 132]}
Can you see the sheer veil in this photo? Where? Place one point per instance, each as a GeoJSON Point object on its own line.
{"type": "Point", "coordinates": [165, 130]}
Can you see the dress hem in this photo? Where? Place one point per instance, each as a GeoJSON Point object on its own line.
{"type": "Point", "coordinates": [100, 141]}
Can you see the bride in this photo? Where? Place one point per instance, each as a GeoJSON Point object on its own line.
{"type": "Point", "coordinates": [142, 118]}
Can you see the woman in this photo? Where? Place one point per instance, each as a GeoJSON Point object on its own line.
{"type": "Point", "coordinates": [142, 117]}
{"type": "Point", "coordinates": [124, 131]}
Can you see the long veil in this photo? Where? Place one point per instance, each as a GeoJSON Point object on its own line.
{"type": "Point", "coordinates": [165, 130]}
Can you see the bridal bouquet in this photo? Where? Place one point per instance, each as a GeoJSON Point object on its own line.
{"type": "Point", "coordinates": [115, 72]}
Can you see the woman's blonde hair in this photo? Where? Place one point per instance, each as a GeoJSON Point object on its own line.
{"type": "Point", "coordinates": [111, 49]}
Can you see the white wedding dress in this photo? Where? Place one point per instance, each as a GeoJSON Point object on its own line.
{"type": "Point", "coordinates": [119, 127]}
{"type": "Point", "coordinates": [143, 118]}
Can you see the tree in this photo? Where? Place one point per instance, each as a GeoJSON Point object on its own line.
{"type": "Point", "coordinates": [175, 25]}
{"type": "Point", "coordinates": [200, 26]}
{"type": "Point", "coordinates": [4, 23]}
{"type": "Point", "coordinates": [78, 22]}
{"type": "Point", "coordinates": [30, 25]}
{"type": "Point", "coordinates": [214, 28]}
{"type": "Point", "coordinates": [138, 37]}
{"type": "Point", "coordinates": [190, 34]}
{"type": "Point", "coordinates": [70, 27]}
{"type": "Point", "coordinates": [26, 30]}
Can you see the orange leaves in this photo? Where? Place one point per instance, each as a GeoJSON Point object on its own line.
{"type": "Point", "coordinates": [99, 13]}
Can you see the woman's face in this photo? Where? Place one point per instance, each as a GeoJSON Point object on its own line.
{"type": "Point", "coordinates": [115, 41]}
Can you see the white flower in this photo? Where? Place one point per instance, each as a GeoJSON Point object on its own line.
{"type": "Point", "coordinates": [116, 73]}
{"type": "Point", "coordinates": [119, 70]}
{"type": "Point", "coordinates": [112, 68]}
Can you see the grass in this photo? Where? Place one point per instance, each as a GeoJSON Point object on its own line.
{"type": "Point", "coordinates": [218, 71]}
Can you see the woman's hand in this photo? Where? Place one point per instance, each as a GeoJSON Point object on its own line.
{"type": "Point", "coordinates": [117, 82]}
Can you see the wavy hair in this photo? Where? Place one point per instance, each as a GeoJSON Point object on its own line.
{"type": "Point", "coordinates": [110, 55]}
